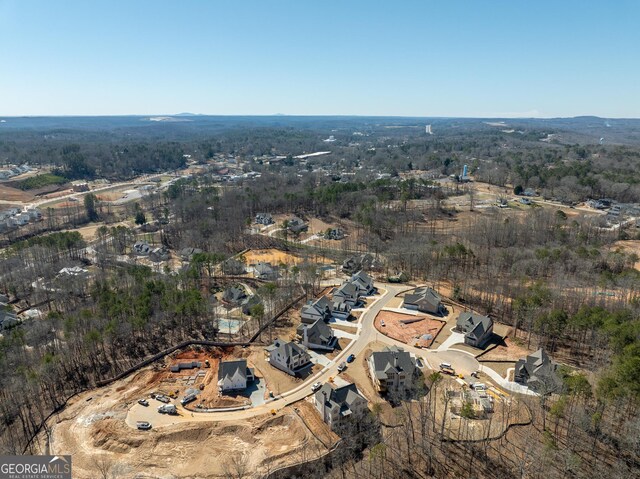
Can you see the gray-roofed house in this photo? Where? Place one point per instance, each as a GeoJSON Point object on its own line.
{"type": "Point", "coordinates": [317, 336]}
{"type": "Point", "coordinates": [264, 219]}
{"type": "Point", "coordinates": [318, 309]}
{"type": "Point", "coordinates": [339, 404]}
{"type": "Point", "coordinates": [340, 309]}
{"type": "Point", "coordinates": [186, 254]}
{"type": "Point", "coordinates": [288, 357]}
{"type": "Point", "coordinates": [425, 300]}
{"type": "Point", "coordinates": [538, 373]}
{"type": "Point", "coordinates": [296, 225]}
{"type": "Point", "coordinates": [477, 329]}
{"type": "Point", "coordinates": [265, 271]}
{"type": "Point", "coordinates": [7, 317]}
{"type": "Point", "coordinates": [363, 282]}
{"type": "Point", "coordinates": [334, 234]}
{"type": "Point", "coordinates": [250, 302]}
{"type": "Point", "coordinates": [141, 248]}
{"type": "Point", "coordinates": [233, 267]}
{"type": "Point", "coordinates": [234, 295]}
{"type": "Point", "coordinates": [234, 375]}
{"type": "Point", "coordinates": [158, 255]}
{"type": "Point", "coordinates": [364, 261]}
{"type": "Point", "coordinates": [392, 369]}
{"type": "Point", "coordinates": [347, 293]}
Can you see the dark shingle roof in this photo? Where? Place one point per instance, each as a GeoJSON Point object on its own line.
{"type": "Point", "coordinates": [392, 360]}
{"type": "Point", "coordinates": [474, 324]}
{"type": "Point", "coordinates": [424, 294]}
{"type": "Point", "coordinates": [229, 369]}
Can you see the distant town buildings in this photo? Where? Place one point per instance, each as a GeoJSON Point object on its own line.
{"type": "Point", "coordinates": [13, 170]}
{"type": "Point", "coordinates": [13, 218]}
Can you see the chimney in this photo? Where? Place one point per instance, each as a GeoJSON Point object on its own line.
{"type": "Point", "coordinates": [324, 407]}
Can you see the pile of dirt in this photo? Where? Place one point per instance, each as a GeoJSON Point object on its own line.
{"type": "Point", "coordinates": [108, 435]}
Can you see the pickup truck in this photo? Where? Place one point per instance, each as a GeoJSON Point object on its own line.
{"type": "Point", "coordinates": [342, 366]}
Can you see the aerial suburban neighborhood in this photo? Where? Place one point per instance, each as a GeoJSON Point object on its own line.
{"type": "Point", "coordinates": [273, 240]}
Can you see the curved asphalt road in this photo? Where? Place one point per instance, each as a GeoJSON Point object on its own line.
{"type": "Point", "coordinates": [462, 362]}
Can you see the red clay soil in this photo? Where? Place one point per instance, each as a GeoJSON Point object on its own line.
{"type": "Point", "coordinates": [408, 333]}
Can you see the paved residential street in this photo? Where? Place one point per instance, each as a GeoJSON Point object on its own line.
{"type": "Point", "coordinates": [364, 333]}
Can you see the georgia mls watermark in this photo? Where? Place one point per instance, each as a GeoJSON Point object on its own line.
{"type": "Point", "coordinates": [35, 467]}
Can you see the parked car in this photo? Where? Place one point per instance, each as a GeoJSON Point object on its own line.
{"type": "Point", "coordinates": [351, 358]}
{"type": "Point", "coordinates": [448, 371]}
{"type": "Point", "coordinates": [143, 425]}
{"type": "Point", "coordinates": [143, 402]}
{"type": "Point", "coordinates": [342, 366]}
{"type": "Point", "coordinates": [316, 386]}
{"type": "Point", "coordinates": [382, 322]}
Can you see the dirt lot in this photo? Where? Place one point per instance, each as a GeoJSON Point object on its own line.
{"type": "Point", "coordinates": [408, 333]}
{"type": "Point", "coordinates": [14, 194]}
{"type": "Point", "coordinates": [356, 372]}
{"type": "Point", "coordinates": [175, 384]}
{"type": "Point", "coordinates": [277, 381]}
{"type": "Point", "coordinates": [93, 429]}
{"type": "Point", "coordinates": [506, 350]}
{"type": "Point", "coordinates": [95, 433]}
{"type": "Point", "coordinates": [276, 257]}
{"type": "Point", "coordinates": [501, 367]}
{"type": "Point", "coordinates": [628, 246]}
{"type": "Point", "coordinates": [309, 415]}
{"type": "Point", "coordinates": [89, 233]}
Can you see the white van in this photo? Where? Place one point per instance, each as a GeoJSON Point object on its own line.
{"type": "Point", "coordinates": [445, 366]}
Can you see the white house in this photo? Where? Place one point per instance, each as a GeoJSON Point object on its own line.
{"type": "Point", "coordinates": [288, 357]}
{"type": "Point", "coordinates": [234, 375]}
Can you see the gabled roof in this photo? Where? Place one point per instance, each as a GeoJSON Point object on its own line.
{"type": "Point", "coordinates": [538, 369]}
{"type": "Point", "coordinates": [317, 333]}
{"type": "Point", "coordinates": [392, 361]}
{"type": "Point", "coordinates": [289, 350]}
{"type": "Point", "coordinates": [319, 306]}
{"type": "Point", "coordinates": [362, 278]}
{"type": "Point", "coordinates": [342, 398]}
{"type": "Point", "coordinates": [423, 295]}
{"type": "Point", "coordinates": [474, 325]}
{"type": "Point", "coordinates": [229, 369]}
{"type": "Point", "coordinates": [234, 294]}
{"type": "Point", "coordinates": [347, 289]}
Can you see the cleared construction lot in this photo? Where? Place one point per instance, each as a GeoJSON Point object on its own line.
{"type": "Point", "coordinates": [409, 328]}
{"type": "Point", "coordinates": [94, 428]}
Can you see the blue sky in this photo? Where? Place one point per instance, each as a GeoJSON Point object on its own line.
{"type": "Point", "coordinates": [414, 58]}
